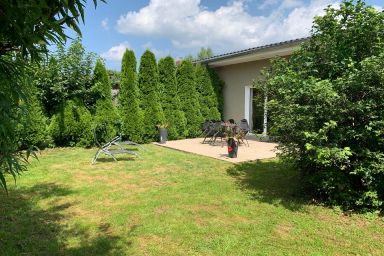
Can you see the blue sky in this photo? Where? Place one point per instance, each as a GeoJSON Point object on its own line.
{"type": "Point", "coordinates": [180, 27]}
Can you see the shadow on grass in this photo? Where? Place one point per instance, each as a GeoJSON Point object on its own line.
{"type": "Point", "coordinates": [27, 229]}
{"type": "Point", "coordinates": [271, 182]}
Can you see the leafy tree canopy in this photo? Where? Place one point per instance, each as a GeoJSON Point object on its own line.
{"type": "Point", "coordinates": [27, 27]}
{"type": "Point", "coordinates": [327, 110]}
{"type": "Point", "coordinates": [68, 74]}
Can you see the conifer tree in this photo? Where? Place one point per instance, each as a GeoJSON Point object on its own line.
{"type": "Point", "coordinates": [149, 96]}
{"type": "Point", "coordinates": [218, 86]}
{"type": "Point", "coordinates": [207, 96]}
{"type": "Point", "coordinates": [106, 113]}
{"type": "Point", "coordinates": [189, 98]}
{"type": "Point", "coordinates": [129, 106]}
{"type": "Point", "coordinates": [170, 100]}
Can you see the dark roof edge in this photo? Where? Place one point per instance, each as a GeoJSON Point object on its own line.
{"type": "Point", "coordinates": [248, 51]}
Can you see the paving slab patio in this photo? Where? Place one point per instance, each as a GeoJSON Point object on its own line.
{"type": "Point", "coordinates": [256, 150]}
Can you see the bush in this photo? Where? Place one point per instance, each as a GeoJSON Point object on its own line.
{"type": "Point", "coordinates": [129, 108]}
{"type": "Point", "coordinates": [207, 96]}
{"type": "Point", "coordinates": [72, 125]}
{"type": "Point", "coordinates": [327, 105]}
{"type": "Point", "coordinates": [189, 98]}
{"type": "Point", "coordinates": [32, 128]}
{"type": "Point", "coordinates": [170, 100]}
{"type": "Point", "coordinates": [149, 96]}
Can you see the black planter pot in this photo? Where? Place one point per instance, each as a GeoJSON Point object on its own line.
{"type": "Point", "coordinates": [163, 135]}
{"type": "Point", "coordinates": [232, 148]}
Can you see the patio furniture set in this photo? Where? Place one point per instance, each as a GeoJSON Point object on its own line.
{"type": "Point", "coordinates": [225, 130]}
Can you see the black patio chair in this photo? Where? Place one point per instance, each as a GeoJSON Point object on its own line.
{"type": "Point", "coordinates": [207, 130]}
{"type": "Point", "coordinates": [219, 131]}
{"type": "Point", "coordinates": [205, 127]}
{"type": "Point", "coordinates": [244, 130]}
{"type": "Point", "coordinates": [107, 149]}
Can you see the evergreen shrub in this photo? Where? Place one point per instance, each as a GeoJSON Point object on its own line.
{"type": "Point", "coordinates": [189, 98]}
{"type": "Point", "coordinates": [170, 100]}
{"type": "Point", "coordinates": [72, 125]}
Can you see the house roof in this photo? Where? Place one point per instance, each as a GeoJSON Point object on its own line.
{"type": "Point", "coordinates": [256, 53]}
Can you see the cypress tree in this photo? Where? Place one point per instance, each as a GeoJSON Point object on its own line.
{"type": "Point", "coordinates": [189, 98]}
{"type": "Point", "coordinates": [106, 113]}
{"type": "Point", "coordinates": [218, 86]}
{"type": "Point", "coordinates": [149, 95]}
{"type": "Point", "coordinates": [129, 106]}
{"type": "Point", "coordinates": [170, 100]}
{"type": "Point", "coordinates": [207, 96]}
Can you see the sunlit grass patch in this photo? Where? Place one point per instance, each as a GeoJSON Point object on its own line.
{"type": "Point", "coordinates": [171, 203]}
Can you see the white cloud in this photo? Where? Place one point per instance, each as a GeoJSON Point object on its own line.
{"type": "Point", "coordinates": [283, 4]}
{"type": "Point", "coordinates": [268, 3]}
{"type": "Point", "coordinates": [104, 24]}
{"type": "Point", "coordinates": [188, 24]}
{"type": "Point", "coordinates": [115, 53]}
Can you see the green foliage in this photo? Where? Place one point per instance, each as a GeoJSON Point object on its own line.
{"type": "Point", "coordinates": [207, 96]}
{"type": "Point", "coordinates": [32, 125]}
{"type": "Point", "coordinates": [27, 27]}
{"type": "Point", "coordinates": [170, 100]}
{"type": "Point", "coordinates": [204, 53]}
{"type": "Point", "coordinates": [106, 113]}
{"type": "Point", "coordinates": [327, 108]}
{"type": "Point", "coordinates": [67, 75]}
{"type": "Point", "coordinates": [13, 81]}
{"type": "Point", "coordinates": [129, 102]}
{"type": "Point", "coordinates": [189, 98]}
{"type": "Point", "coordinates": [114, 77]}
{"type": "Point", "coordinates": [72, 125]}
{"type": "Point", "coordinates": [149, 96]}
{"type": "Point", "coordinates": [218, 87]}
{"type": "Point", "coordinates": [101, 87]}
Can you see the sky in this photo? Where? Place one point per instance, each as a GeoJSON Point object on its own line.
{"type": "Point", "coordinates": [182, 27]}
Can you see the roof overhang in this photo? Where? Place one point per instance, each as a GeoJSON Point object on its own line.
{"type": "Point", "coordinates": [253, 54]}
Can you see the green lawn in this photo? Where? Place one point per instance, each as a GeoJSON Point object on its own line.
{"type": "Point", "coordinates": [172, 203]}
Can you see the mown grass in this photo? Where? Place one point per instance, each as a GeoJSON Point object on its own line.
{"type": "Point", "coordinates": [172, 203]}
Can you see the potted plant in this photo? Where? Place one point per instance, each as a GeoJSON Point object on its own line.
{"type": "Point", "coordinates": [232, 140]}
{"type": "Point", "coordinates": [163, 133]}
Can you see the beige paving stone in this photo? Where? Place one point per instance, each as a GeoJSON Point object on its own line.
{"type": "Point", "coordinates": [256, 150]}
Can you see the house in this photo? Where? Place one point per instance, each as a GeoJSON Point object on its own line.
{"type": "Point", "coordinates": [238, 70]}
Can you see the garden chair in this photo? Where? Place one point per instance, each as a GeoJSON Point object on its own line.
{"type": "Point", "coordinates": [218, 130]}
{"type": "Point", "coordinates": [208, 131]}
{"type": "Point", "coordinates": [107, 148]}
{"type": "Point", "coordinates": [206, 126]}
{"type": "Point", "coordinates": [243, 131]}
